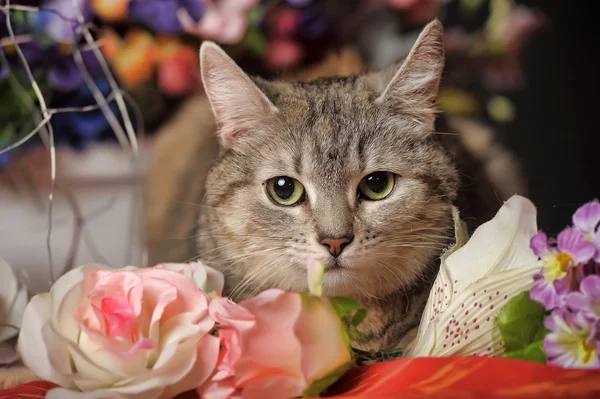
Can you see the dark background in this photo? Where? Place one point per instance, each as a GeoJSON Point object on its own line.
{"type": "Point", "coordinates": [555, 134]}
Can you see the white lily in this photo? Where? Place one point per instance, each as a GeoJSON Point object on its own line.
{"type": "Point", "coordinates": [475, 280]}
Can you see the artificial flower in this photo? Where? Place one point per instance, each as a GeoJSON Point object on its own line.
{"type": "Point", "coordinates": [224, 21]}
{"type": "Point", "coordinates": [283, 53]}
{"type": "Point", "coordinates": [474, 281]}
{"type": "Point", "coordinates": [111, 10]}
{"type": "Point", "coordinates": [79, 129]}
{"type": "Point", "coordinates": [178, 69]}
{"type": "Point", "coordinates": [62, 72]}
{"type": "Point", "coordinates": [560, 260]}
{"type": "Point", "coordinates": [13, 300]}
{"type": "Point", "coordinates": [587, 299]}
{"type": "Point", "coordinates": [161, 15]}
{"type": "Point", "coordinates": [508, 29]}
{"type": "Point", "coordinates": [277, 345]}
{"type": "Point", "coordinates": [572, 341]}
{"type": "Point", "coordinates": [587, 220]}
{"type": "Point", "coordinates": [206, 278]}
{"type": "Point", "coordinates": [284, 22]}
{"type": "Point", "coordinates": [115, 333]}
{"type": "Point", "coordinates": [134, 60]}
{"type": "Point", "coordinates": [417, 11]}
{"type": "Point", "coordinates": [57, 22]}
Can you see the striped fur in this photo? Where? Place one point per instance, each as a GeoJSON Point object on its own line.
{"type": "Point", "coordinates": [328, 133]}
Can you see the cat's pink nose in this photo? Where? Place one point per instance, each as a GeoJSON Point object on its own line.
{"type": "Point", "coordinates": [337, 245]}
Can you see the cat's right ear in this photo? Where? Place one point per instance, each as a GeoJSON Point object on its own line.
{"type": "Point", "coordinates": [238, 104]}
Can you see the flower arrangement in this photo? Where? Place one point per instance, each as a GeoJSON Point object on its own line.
{"type": "Point", "coordinates": [568, 289]}
{"type": "Point", "coordinates": [166, 330]}
{"type": "Point", "coordinates": [151, 48]}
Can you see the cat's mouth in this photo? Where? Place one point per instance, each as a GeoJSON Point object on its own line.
{"type": "Point", "coordinates": [333, 264]}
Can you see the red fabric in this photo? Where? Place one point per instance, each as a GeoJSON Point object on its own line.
{"type": "Point", "coordinates": [448, 378]}
{"type": "Point", "coordinates": [31, 390]}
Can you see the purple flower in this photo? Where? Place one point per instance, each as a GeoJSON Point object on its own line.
{"type": "Point", "coordinates": [161, 15]}
{"type": "Point", "coordinates": [572, 341]}
{"type": "Point", "coordinates": [587, 300]}
{"type": "Point", "coordinates": [560, 261]}
{"type": "Point", "coordinates": [58, 21]}
{"type": "Point", "coordinates": [78, 129]}
{"type": "Point", "coordinates": [587, 219]}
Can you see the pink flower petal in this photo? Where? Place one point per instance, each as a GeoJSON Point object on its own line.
{"type": "Point", "coordinates": [207, 353]}
{"type": "Point", "coordinates": [539, 244]}
{"type": "Point", "coordinates": [545, 293]}
{"type": "Point", "coordinates": [267, 349]}
{"type": "Point", "coordinates": [578, 302]}
{"type": "Point", "coordinates": [590, 286]}
{"type": "Point", "coordinates": [587, 217]}
{"type": "Point", "coordinates": [572, 242]}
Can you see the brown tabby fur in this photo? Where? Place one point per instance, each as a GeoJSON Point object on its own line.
{"type": "Point", "coordinates": [186, 147]}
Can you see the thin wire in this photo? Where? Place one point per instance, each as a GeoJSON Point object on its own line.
{"type": "Point", "coordinates": [47, 116]}
{"type": "Point", "coordinates": [127, 139]}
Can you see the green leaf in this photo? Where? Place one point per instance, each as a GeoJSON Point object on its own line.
{"type": "Point", "coordinates": [352, 314]}
{"type": "Point", "coordinates": [319, 386]}
{"type": "Point", "coordinates": [533, 352]}
{"type": "Point", "coordinates": [521, 322]}
{"type": "Point", "coordinates": [344, 306]}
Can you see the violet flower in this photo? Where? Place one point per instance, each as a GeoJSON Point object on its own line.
{"type": "Point", "coordinates": [587, 299]}
{"type": "Point", "coordinates": [78, 129]}
{"type": "Point", "coordinates": [572, 341]}
{"type": "Point", "coordinates": [161, 15]}
{"type": "Point", "coordinates": [587, 220]}
{"type": "Point", "coordinates": [57, 23]}
{"type": "Point", "coordinates": [224, 21]}
{"type": "Point", "coordinates": [63, 73]}
{"type": "Point", "coordinates": [559, 263]}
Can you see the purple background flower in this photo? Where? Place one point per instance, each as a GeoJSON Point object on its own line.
{"type": "Point", "coordinates": [161, 15]}
{"type": "Point", "coordinates": [572, 341]}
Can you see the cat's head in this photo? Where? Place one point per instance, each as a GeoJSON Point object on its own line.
{"type": "Point", "coordinates": [343, 170]}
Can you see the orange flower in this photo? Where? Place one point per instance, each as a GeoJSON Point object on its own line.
{"type": "Point", "coordinates": [136, 61]}
{"type": "Point", "coordinates": [111, 10]}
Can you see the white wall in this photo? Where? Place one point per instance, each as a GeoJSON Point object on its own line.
{"type": "Point", "coordinates": [103, 182]}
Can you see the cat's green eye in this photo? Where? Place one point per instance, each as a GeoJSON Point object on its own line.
{"type": "Point", "coordinates": [377, 185]}
{"type": "Point", "coordinates": [285, 190]}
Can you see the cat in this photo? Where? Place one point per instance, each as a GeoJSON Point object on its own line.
{"type": "Point", "coordinates": [348, 170]}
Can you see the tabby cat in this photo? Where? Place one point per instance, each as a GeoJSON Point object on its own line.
{"type": "Point", "coordinates": [347, 170]}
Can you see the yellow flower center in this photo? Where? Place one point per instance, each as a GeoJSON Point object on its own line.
{"type": "Point", "coordinates": [556, 266]}
{"type": "Point", "coordinates": [576, 344]}
{"type": "Point", "coordinates": [585, 352]}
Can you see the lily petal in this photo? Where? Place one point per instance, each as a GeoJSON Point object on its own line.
{"type": "Point", "coordinates": [497, 259]}
{"type": "Point", "coordinates": [500, 244]}
{"type": "Point", "coordinates": [441, 292]}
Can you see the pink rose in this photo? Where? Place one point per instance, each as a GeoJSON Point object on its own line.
{"type": "Point", "coordinates": [106, 333]}
{"type": "Point", "coordinates": [276, 345]}
{"type": "Point", "coordinates": [224, 21]}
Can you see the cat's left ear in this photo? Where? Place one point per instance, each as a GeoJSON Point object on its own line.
{"type": "Point", "coordinates": [411, 89]}
{"type": "Point", "coordinates": [239, 106]}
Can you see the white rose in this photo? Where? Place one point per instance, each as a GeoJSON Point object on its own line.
{"type": "Point", "coordinates": [13, 300]}
{"type": "Point", "coordinates": [128, 333]}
